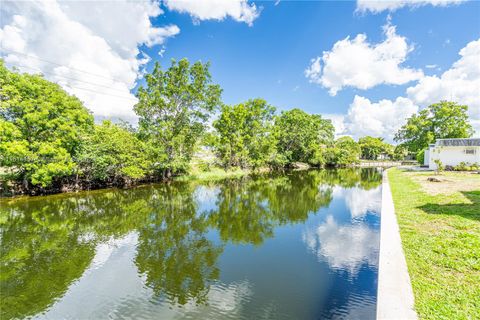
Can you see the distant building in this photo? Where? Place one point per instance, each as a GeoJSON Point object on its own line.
{"type": "Point", "coordinates": [453, 151]}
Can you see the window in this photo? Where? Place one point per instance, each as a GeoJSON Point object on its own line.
{"type": "Point", "coordinates": [469, 151]}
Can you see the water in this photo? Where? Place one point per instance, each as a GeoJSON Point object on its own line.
{"type": "Point", "coordinates": [299, 245]}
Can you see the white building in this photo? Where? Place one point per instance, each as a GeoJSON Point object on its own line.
{"type": "Point", "coordinates": [453, 151]}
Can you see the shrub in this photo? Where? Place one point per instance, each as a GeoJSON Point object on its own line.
{"type": "Point", "coordinates": [420, 157]}
{"type": "Point", "coordinates": [439, 164]}
{"type": "Point", "coordinates": [465, 166]}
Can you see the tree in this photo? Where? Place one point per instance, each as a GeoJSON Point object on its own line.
{"type": "Point", "coordinates": [112, 153]}
{"type": "Point", "coordinates": [372, 147]}
{"type": "Point", "coordinates": [344, 152]}
{"type": "Point", "coordinates": [40, 128]}
{"type": "Point", "coordinates": [301, 136]}
{"type": "Point", "coordinates": [400, 152]}
{"type": "Point", "coordinates": [438, 121]}
{"type": "Point", "coordinates": [244, 134]}
{"type": "Point", "coordinates": [173, 109]}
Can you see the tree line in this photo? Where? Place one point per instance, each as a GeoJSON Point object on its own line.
{"type": "Point", "coordinates": [49, 141]}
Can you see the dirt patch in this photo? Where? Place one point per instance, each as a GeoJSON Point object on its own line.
{"type": "Point", "coordinates": [447, 183]}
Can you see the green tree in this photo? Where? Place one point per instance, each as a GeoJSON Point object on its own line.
{"type": "Point", "coordinates": [112, 153]}
{"type": "Point", "coordinates": [345, 151]}
{"type": "Point", "coordinates": [400, 152]}
{"type": "Point", "coordinates": [40, 128]}
{"type": "Point", "coordinates": [302, 136]}
{"type": "Point", "coordinates": [173, 109]}
{"type": "Point", "coordinates": [420, 156]}
{"type": "Point", "coordinates": [244, 134]}
{"type": "Point", "coordinates": [372, 147]}
{"type": "Point", "coordinates": [438, 121]}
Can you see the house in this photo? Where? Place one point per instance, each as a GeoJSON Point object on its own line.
{"type": "Point", "coordinates": [451, 152]}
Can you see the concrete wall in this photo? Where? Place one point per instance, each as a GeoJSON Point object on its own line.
{"type": "Point", "coordinates": [452, 156]}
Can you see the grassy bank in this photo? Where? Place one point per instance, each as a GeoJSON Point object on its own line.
{"type": "Point", "coordinates": [212, 174]}
{"type": "Point", "coordinates": [440, 230]}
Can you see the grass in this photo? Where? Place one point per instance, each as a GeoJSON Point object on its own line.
{"type": "Point", "coordinates": [212, 174]}
{"type": "Point", "coordinates": [440, 230]}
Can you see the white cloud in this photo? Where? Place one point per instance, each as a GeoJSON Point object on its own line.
{"type": "Point", "coordinates": [239, 10]}
{"type": "Point", "coordinates": [377, 6]}
{"type": "Point", "coordinates": [378, 119]}
{"type": "Point", "coordinates": [344, 247]}
{"type": "Point", "coordinates": [360, 201]}
{"type": "Point", "coordinates": [360, 64]}
{"type": "Point", "coordinates": [87, 48]}
{"type": "Point", "coordinates": [461, 83]}
{"type": "Point", "coordinates": [338, 121]}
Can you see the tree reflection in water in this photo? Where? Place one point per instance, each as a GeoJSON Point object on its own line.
{"type": "Point", "coordinates": [48, 242]}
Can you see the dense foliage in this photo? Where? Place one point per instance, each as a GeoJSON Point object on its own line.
{"type": "Point", "coordinates": [40, 127]}
{"type": "Point", "coordinates": [49, 142]}
{"type": "Point", "coordinates": [345, 151]}
{"type": "Point", "coordinates": [173, 109]}
{"type": "Point", "coordinates": [113, 154]}
{"type": "Point", "coordinates": [372, 148]}
{"type": "Point", "coordinates": [303, 137]}
{"type": "Point", "coordinates": [244, 134]}
{"type": "Point", "coordinates": [438, 121]}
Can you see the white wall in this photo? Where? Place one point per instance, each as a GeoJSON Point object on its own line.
{"type": "Point", "coordinates": [452, 156]}
{"type": "Point", "coordinates": [426, 157]}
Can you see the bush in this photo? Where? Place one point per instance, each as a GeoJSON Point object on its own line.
{"type": "Point", "coordinates": [440, 166]}
{"type": "Point", "coordinates": [421, 157]}
{"type": "Point", "coordinates": [204, 166]}
{"type": "Point", "coordinates": [465, 166]}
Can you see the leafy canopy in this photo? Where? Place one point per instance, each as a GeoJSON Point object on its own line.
{"type": "Point", "coordinates": [343, 152]}
{"type": "Point", "coordinates": [173, 108]}
{"type": "Point", "coordinates": [438, 121]}
{"type": "Point", "coordinates": [40, 127]}
{"type": "Point", "coordinates": [372, 147]}
{"type": "Point", "coordinates": [112, 153]}
{"type": "Point", "coordinates": [301, 136]}
{"type": "Point", "coordinates": [244, 137]}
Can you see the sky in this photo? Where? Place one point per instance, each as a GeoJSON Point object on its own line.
{"type": "Point", "coordinates": [367, 65]}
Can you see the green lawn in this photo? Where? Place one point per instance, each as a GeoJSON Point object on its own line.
{"type": "Point", "coordinates": [440, 230]}
{"type": "Point", "coordinates": [212, 174]}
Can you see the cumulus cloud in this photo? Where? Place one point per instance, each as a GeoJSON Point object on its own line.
{"type": "Point", "coordinates": [378, 119]}
{"type": "Point", "coordinates": [91, 50]}
{"type": "Point", "coordinates": [239, 10]}
{"type": "Point", "coordinates": [338, 121]}
{"type": "Point", "coordinates": [359, 201]}
{"type": "Point", "coordinates": [376, 6]}
{"type": "Point", "coordinates": [363, 65]}
{"type": "Point", "coordinates": [460, 83]}
{"type": "Point", "coordinates": [344, 247]}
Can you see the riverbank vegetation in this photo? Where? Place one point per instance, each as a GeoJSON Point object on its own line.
{"type": "Point", "coordinates": [50, 143]}
{"type": "Point", "coordinates": [440, 231]}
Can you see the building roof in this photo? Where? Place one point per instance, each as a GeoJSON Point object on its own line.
{"type": "Point", "coordinates": [470, 142]}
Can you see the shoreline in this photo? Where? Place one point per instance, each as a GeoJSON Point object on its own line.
{"type": "Point", "coordinates": [395, 299]}
{"type": "Point", "coordinates": [213, 175]}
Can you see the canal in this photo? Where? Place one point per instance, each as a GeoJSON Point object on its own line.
{"type": "Point", "coordinates": [296, 245]}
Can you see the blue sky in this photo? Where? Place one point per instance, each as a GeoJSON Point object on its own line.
{"type": "Point", "coordinates": [366, 65]}
{"type": "Point", "coordinates": [268, 59]}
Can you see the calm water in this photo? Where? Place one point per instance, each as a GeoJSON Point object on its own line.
{"type": "Point", "coordinates": [301, 245]}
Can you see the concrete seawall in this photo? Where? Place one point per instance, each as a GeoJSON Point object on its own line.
{"type": "Point", "coordinates": [395, 298]}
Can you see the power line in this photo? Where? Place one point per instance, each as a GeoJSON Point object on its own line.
{"type": "Point", "coordinates": [58, 64]}
{"type": "Point", "coordinates": [70, 78]}
{"type": "Point", "coordinates": [86, 89]}
{"type": "Point", "coordinates": [107, 94]}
